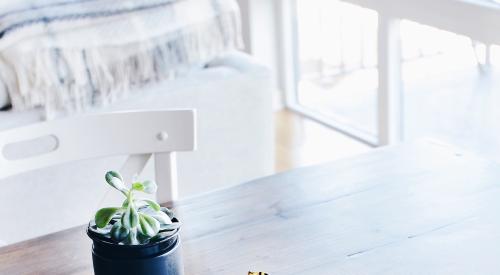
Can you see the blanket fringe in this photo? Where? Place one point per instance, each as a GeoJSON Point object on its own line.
{"type": "Point", "coordinates": [73, 80]}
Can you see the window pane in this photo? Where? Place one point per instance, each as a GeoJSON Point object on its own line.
{"type": "Point", "coordinates": [337, 59]}
{"type": "Point", "coordinates": [450, 92]}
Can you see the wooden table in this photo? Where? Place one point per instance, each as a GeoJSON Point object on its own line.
{"type": "Point", "coordinates": [419, 209]}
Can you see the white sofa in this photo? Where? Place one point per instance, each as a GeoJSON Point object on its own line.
{"type": "Point", "coordinates": [233, 98]}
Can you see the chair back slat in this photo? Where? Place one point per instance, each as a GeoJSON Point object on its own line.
{"type": "Point", "coordinates": [101, 135]}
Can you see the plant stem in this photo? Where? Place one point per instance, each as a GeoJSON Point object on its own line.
{"type": "Point", "coordinates": [130, 198]}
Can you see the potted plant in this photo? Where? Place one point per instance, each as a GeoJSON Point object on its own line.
{"type": "Point", "coordinates": [139, 237]}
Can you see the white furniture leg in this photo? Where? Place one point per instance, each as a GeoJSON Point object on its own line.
{"type": "Point", "coordinates": [487, 56]}
{"type": "Point", "coordinates": [390, 95]}
{"type": "Point", "coordinates": [133, 166]}
{"type": "Point", "coordinates": [166, 176]}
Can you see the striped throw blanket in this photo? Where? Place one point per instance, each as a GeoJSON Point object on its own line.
{"type": "Point", "coordinates": [70, 55]}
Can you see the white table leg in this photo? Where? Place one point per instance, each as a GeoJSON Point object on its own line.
{"type": "Point", "coordinates": [390, 95]}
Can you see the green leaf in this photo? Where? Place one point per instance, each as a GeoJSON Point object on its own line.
{"type": "Point", "coordinates": [137, 186]}
{"type": "Point", "coordinates": [143, 238]}
{"type": "Point", "coordinates": [104, 215]}
{"type": "Point", "coordinates": [150, 187]}
{"type": "Point", "coordinates": [125, 204]}
{"type": "Point", "coordinates": [118, 232]}
{"type": "Point", "coordinates": [113, 174]}
{"type": "Point", "coordinates": [132, 237]}
{"type": "Point", "coordinates": [130, 218]}
{"type": "Point", "coordinates": [162, 235]}
{"type": "Point", "coordinates": [161, 217]}
{"type": "Point", "coordinates": [116, 181]}
{"type": "Point", "coordinates": [168, 212]}
{"type": "Point", "coordinates": [154, 205]}
{"type": "Point", "coordinates": [171, 226]}
{"type": "Point", "coordinates": [148, 226]}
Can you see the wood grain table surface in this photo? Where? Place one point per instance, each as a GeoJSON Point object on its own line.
{"type": "Point", "coordinates": [423, 208]}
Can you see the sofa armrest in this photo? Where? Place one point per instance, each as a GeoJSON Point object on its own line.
{"type": "Point", "coordinates": [241, 62]}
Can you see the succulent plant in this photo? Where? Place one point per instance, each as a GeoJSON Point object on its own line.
{"type": "Point", "coordinates": [137, 220]}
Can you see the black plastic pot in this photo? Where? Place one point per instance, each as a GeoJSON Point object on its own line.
{"type": "Point", "coordinates": [159, 258]}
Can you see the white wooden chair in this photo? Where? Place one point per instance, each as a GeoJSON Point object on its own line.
{"type": "Point", "coordinates": [138, 134]}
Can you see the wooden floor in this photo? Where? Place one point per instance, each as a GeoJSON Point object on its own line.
{"type": "Point", "coordinates": [302, 142]}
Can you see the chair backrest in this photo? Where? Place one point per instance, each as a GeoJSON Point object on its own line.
{"type": "Point", "coordinates": [139, 134]}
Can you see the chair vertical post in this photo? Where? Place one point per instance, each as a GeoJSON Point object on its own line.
{"type": "Point", "coordinates": [134, 166]}
{"type": "Point", "coordinates": [166, 176]}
